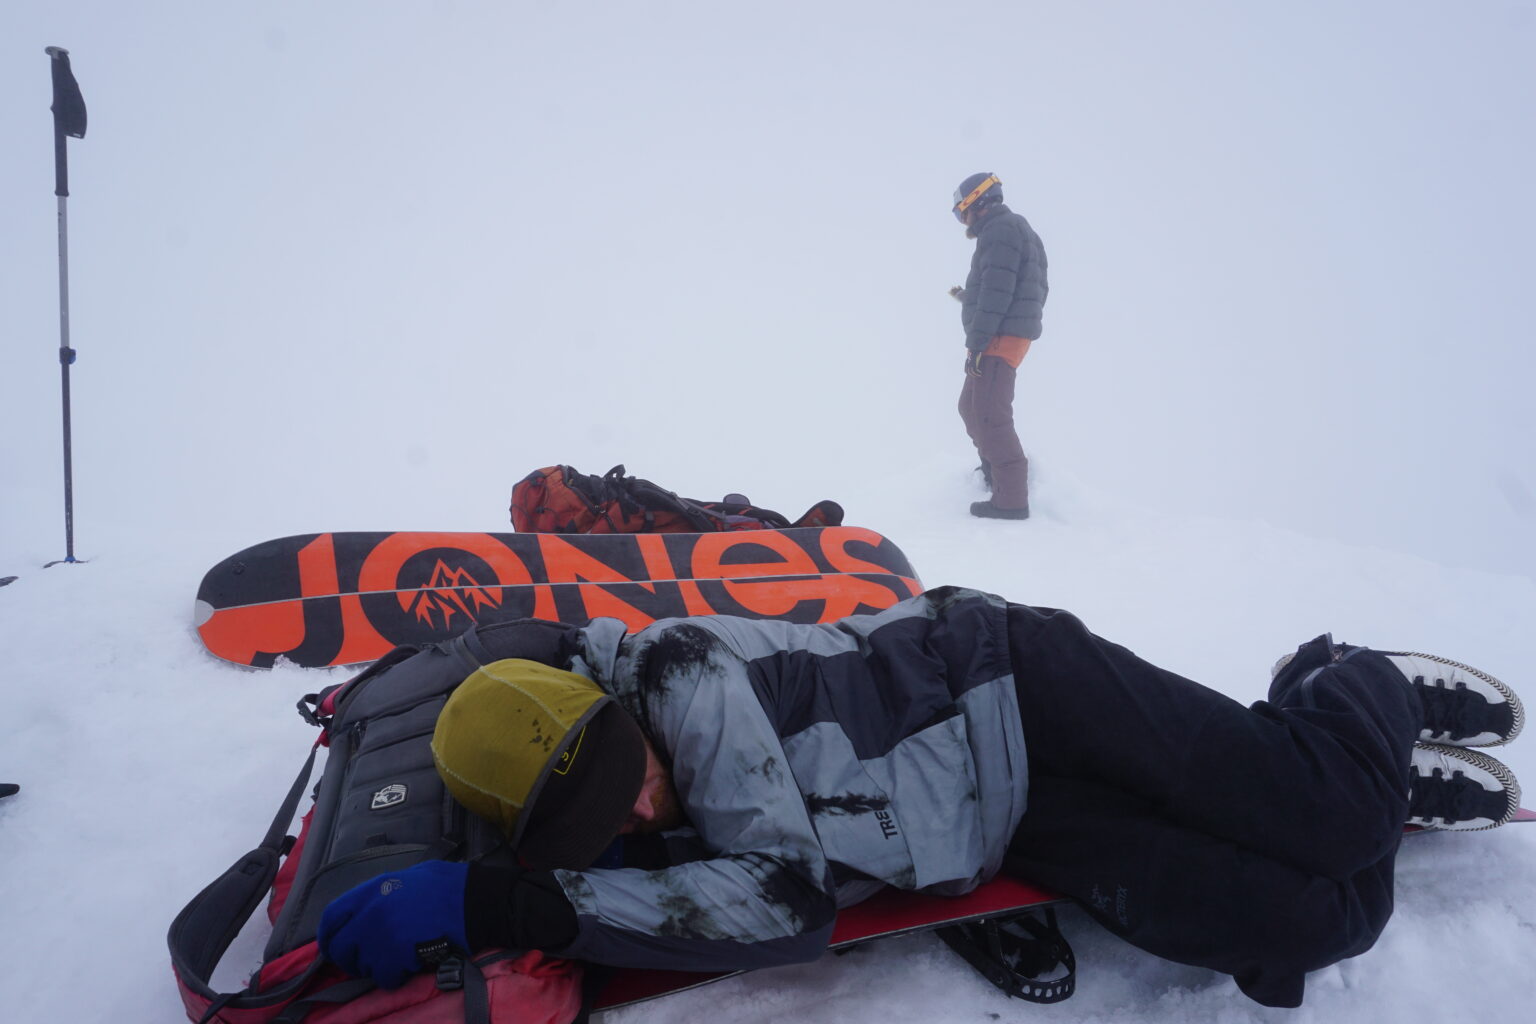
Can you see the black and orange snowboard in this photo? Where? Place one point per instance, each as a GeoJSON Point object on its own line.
{"type": "Point", "coordinates": [346, 598]}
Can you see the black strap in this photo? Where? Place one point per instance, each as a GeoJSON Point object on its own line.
{"type": "Point", "coordinates": [477, 995]}
{"type": "Point", "coordinates": [594, 978]}
{"type": "Point", "coordinates": [341, 992]}
{"type": "Point", "coordinates": [1014, 953]}
{"type": "Point", "coordinates": [206, 926]}
{"type": "Point", "coordinates": [215, 1006]}
{"type": "Point", "coordinates": [453, 974]}
{"type": "Point", "coordinates": [277, 834]}
{"type": "Point", "coordinates": [636, 495]}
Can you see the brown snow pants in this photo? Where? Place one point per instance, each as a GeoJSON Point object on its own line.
{"type": "Point", "coordinates": [986, 406]}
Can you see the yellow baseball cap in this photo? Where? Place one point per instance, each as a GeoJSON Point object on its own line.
{"type": "Point", "coordinates": [546, 754]}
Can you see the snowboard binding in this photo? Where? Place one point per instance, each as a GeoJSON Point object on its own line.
{"type": "Point", "coordinates": [1023, 955]}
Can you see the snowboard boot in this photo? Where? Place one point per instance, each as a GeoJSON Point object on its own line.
{"type": "Point", "coordinates": [987, 510]}
{"type": "Point", "coordinates": [1457, 789]}
{"type": "Point", "coordinates": [1462, 706]}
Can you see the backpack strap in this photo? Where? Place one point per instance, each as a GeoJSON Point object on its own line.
{"type": "Point", "coordinates": [335, 995]}
{"type": "Point", "coordinates": [453, 974]}
{"type": "Point", "coordinates": [743, 515]}
{"type": "Point", "coordinates": [1016, 953]}
{"type": "Point", "coordinates": [617, 493]}
{"type": "Point", "coordinates": [653, 498]}
{"type": "Point", "coordinates": [823, 513]}
{"type": "Point", "coordinates": [461, 973]}
{"type": "Point", "coordinates": [203, 931]}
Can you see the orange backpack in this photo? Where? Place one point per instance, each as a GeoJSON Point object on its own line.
{"type": "Point", "coordinates": [557, 499]}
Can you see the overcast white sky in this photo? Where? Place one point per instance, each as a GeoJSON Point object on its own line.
{"type": "Point", "coordinates": [369, 262]}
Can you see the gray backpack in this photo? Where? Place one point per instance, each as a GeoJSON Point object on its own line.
{"type": "Point", "coordinates": [379, 806]}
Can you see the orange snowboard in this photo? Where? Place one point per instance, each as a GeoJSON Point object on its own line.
{"type": "Point", "coordinates": [346, 598]}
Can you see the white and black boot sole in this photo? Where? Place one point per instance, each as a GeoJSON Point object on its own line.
{"type": "Point", "coordinates": [1484, 791]}
{"type": "Point", "coordinates": [1443, 673]}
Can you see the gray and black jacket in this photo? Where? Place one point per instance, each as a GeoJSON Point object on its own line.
{"type": "Point", "coordinates": [815, 764]}
{"type": "Point", "coordinates": [1006, 288]}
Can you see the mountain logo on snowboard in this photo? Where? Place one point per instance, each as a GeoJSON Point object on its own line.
{"type": "Point", "coordinates": [448, 592]}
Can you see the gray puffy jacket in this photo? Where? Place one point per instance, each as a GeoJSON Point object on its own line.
{"type": "Point", "coordinates": [815, 763]}
{"type": "Point", "coordinates": [1006, 288]}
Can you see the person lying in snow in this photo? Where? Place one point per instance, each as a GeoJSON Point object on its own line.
{"type": "Point", "coordinates": [764, 773]}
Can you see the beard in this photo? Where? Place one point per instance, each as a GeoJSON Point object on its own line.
{"type": "Point", "coordinates": [668, 808]}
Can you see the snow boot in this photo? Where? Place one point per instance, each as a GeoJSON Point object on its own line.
{"type": "Point", "coordinates": [1457, 789]}
{"type": "Point", "coordinates": [987, 510]}
{"type": "Point", "coordinates": [1463, 707]}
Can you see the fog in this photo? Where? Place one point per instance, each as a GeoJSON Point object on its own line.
{"type": "Point", "coordinates": [362, 265]}
{"type": "Point", "coordinates": [366, 263]}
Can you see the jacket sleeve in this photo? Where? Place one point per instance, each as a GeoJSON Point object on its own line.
{"type": "Point", "coordinates": [765, 895]}
{"type": "Point", "coordinates": [1001, 251]}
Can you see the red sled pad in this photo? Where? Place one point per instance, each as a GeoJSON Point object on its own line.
{"type": "Point", "coordinates": [888, 913]}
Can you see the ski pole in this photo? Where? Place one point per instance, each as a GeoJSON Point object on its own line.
{"type": "Point", "coordinates": [68, 120]}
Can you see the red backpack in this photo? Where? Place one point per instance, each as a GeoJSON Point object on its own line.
{"type": "Point", "coordinates": [557, 499]}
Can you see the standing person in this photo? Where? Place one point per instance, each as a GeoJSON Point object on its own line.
{"type": "Point", "coordinates": [765, 773]}
{"type": "Point", "coordinates": [1001, 305]}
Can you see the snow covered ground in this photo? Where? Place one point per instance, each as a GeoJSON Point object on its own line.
{"type": "Point", "coordinates": [148, 767]}
{"type": "Point", "coordinates": [362, 265]}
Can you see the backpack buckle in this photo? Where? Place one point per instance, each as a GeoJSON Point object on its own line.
{"type": "Point", "coordinates": [308, 705]}
{"type": "Point", "coordinates": [450, 975]}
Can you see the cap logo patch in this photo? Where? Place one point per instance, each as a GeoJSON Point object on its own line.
{"type": "Point", "coordinates": [389, 796]}
{"type": "Point", "coordinates": [568, 755]}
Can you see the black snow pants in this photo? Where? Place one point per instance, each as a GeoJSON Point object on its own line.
{"type": "Point", "coordinates": [1256, 841]}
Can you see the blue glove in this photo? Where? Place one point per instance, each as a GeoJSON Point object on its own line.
{"type": "Point", "coordinates": [374, 929]}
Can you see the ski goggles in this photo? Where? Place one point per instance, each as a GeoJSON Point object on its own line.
{"type": "Point", "coordinates": [963, 203]}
